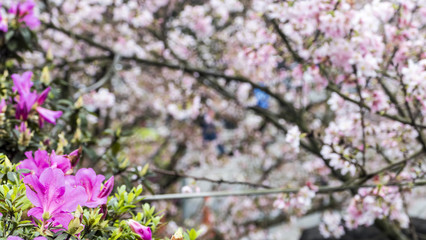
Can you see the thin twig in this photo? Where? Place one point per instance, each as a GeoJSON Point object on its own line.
{"type": "Point", "coordinates": [218, 181]}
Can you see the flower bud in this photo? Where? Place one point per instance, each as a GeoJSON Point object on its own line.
{"type": "Point", "coordinates": [2, 118]}
{"type": "Point", "coordinates": [45, 76]}
{"type": "Point", "coordinates": [107, 189]}
{"type": "Point", "coordinates": [46, 216]}
{"type": "Point", "coordinates": [77, 136]}
{"type": "Point", "coordinates": [79, 213]}
{"type": "Point", "coordinates": [74, 156]}
{"type": "Point", "coordinates": [62, 142]}
{"type": "Point", "coordinates": [79, 103]}
{"type": "Point", "coordinates": [143, 231]}
{"type": "Point", "coordinates": [104, 211]}
{"type": "Point", "coordinates": [25, 134]}
{"type": "Point", "coordinates": [49, 55]}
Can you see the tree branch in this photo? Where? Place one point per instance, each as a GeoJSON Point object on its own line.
{"type": "Point", "coordinates": [321, 190]}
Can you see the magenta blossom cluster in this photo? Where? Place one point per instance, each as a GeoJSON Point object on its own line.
{"type": "Point", "coordinates": [25, 13]}
{"type": "Point", "coordinates": [27, 100]}
{"type": "Point", "coordinates": [55, 192]}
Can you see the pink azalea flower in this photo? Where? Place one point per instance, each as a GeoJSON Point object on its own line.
{"type": "Point", "coordinates": [27, 99]}
{"type": "Point", "coordinates": [48, 115]}
{"type": "Point", "coordinates": [22, 83]}
{"type": "Point", "coordinates": [42, 97]}
{"type": "Point", "coordinates": [24, 104]}
{"type": "Point", "coordinates": [14, 238]}
{"type": "Point", "coordinates": [52, 197]}
{"type": "Point", "coordinates": [25, 11]}
{"type": "Point", "coordinates": [40, 238]}
{"type": "Point", "coordinates": [42, 160]}
{"type": "Point", "coordinates": [60, 161]}
{"type": "Point", "coordinates": [143, 231]}
{"type": "Point", "coordinates": [87, 178]}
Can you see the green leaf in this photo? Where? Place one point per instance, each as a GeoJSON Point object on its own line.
{"type": "Point", "coordinates": [12, 46]}
{"type": "Point", "coordinates": [9, 35]}
{"type": "Point", "coordinates": [61, 237]}
{"type": "Point", "coordinates": [11, 176]}
{"type": "Point", "coordinates": [186, 236]}
{"type": "Point", "coordinates": [26, 34]}
{"type": "Point", "coordinates": [192, 234]}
